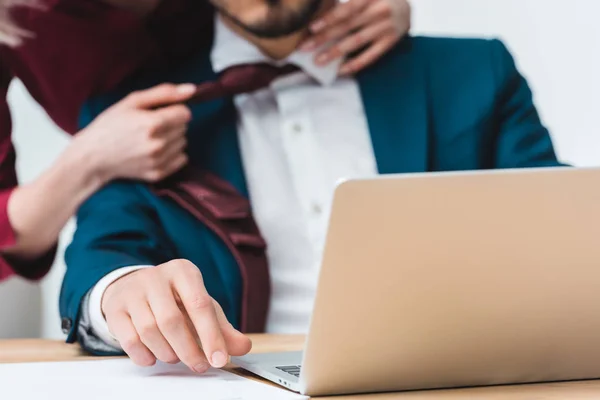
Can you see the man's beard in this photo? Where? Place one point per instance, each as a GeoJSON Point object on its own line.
{"type": "Point", "coordinates": [279, 22]}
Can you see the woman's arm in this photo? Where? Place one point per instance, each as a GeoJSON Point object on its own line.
{"type": "Point", "coordinates": [8, 181]}
{"type": "Point", "coordinates": [39, 210]}
{"type": "Point", "coordinates": [133, 139]}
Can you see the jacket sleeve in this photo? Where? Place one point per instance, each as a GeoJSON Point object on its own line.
{"type": "Point", "coordinates": [116, 227]}
{"type": "Point", "coordinates": [31, 269]}
{"type": "Point", "coordinates": [522, 141]}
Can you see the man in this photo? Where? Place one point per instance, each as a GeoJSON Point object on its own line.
{"type": "Point", "coordinates": [151, 277]}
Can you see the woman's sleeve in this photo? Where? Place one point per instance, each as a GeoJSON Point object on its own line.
{"type": "Point", "coordinates": [32, 269]}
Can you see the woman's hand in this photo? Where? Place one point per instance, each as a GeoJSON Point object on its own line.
{"type": "Point", "coordinates": [372, 26]}
{"type": "Point", "coordinates": [141, 137]}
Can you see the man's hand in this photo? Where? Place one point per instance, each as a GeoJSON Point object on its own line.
{"type": "Point", "coordinates": [163, 313]}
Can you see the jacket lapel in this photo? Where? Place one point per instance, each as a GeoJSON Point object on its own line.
{"type": "Point", "coordinates": [394, 93]}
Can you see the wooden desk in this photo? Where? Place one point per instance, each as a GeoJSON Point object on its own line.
{"type": "Point", "coordinates": [17, 351]}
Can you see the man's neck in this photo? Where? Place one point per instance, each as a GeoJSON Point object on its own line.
{"type": "Point", "coordinates": [279, 48]}
{"type": "Point", "coordinates": [276, 49]}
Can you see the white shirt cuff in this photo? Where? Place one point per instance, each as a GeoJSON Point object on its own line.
{"type": "Point", "coordinates": [97, 321]}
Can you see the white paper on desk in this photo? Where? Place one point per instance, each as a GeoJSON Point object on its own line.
{"type": "Point", "coordinates": [121, 379]}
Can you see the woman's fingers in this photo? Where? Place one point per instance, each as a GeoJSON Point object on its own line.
{"type": "Point", "coordinates": [341, 28]}
{"type": "Point", "coordinates": [172, 118]}
{"type": "Point", "coordinates": [368, 56]}
{"type": "Point", "coordinates": [357, 41]}
{"type": "Point", "coordinates": [339, 14]}
{"type": "Point", "coordinates": [178, 163]}
{"type": "Point", "coordinates": [159, 96]}
{"type": "Point", "coordinates": [172, 150]}
{"type": "Point", "coordinates": [170, 156]}
{"type": "Point", "coordinates": [373, 26]}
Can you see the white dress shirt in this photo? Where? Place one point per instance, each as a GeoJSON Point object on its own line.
{"type": "Point", "coordinates": [298, 138]}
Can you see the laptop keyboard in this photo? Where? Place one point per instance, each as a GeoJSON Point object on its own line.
{"type": "Point", "coordinates": [293, 370]}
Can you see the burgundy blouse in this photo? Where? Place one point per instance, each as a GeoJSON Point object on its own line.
{"type": "Point", "coordinates": [81, 48]}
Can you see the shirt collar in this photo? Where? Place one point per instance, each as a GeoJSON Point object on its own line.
{"type": "Point", "coordinates": [230, 49]}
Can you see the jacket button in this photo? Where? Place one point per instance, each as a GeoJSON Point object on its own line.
{"type": "Point", "coordinates": [66, 324]}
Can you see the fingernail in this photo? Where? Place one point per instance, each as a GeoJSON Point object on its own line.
{"type": "Point", "coordinates": [308, 46]}
{"type": "Point", "coordinates": [317, 26]}
{"type": "Point", "coordinates": [219, 360]}
{"type": "Point", "coordinates": [201, 368]}
{"type": "Point", "coordinates": [187, 88]}
{"type": "Point", "coordinates": [322, 59]}
{"type": "Point", "coordinates": [345, 71]}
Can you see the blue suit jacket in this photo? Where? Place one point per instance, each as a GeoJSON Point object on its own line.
{"type": "Point", "coordinates": [432, 104]}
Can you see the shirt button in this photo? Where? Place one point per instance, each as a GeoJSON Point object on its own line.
{"type": "Point", "coordinates": [316, 209]}
{"type": "Point", "coordinates": [297, 128]}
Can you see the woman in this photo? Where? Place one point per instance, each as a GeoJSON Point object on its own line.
{"type": "Point", "coordinates": [68, 50]}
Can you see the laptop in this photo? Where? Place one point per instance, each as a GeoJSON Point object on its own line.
{"type": "Point", "coordinates": [452, 280]}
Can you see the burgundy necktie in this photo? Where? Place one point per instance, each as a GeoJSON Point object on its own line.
{"type": "Point", "coordinates": [245, 78]}
{"type": "Point", "coordinates": [223, 210]}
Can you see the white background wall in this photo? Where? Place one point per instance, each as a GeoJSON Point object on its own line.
{"type": "Point", "coordinates": [557, 46]}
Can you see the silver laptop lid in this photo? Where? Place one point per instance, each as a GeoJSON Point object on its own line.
{"type": "Point", "coordinates": [449, 280]}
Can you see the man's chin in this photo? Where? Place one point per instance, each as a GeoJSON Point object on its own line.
{"type": "Point", "coordinates": [274, 34]}
{"type": "Point", "coordinates": [275, 23]}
